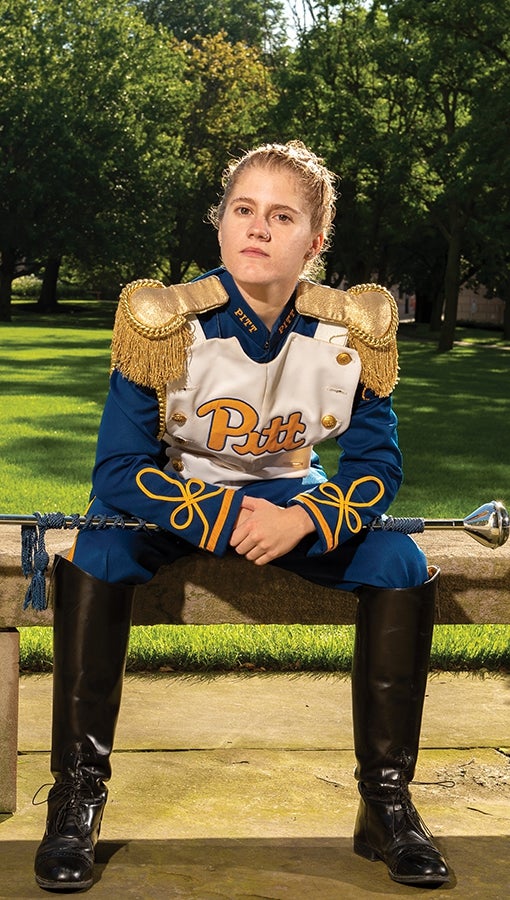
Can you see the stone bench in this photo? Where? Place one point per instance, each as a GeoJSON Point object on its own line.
{"type": "Point", "coordinates": [474, 588]}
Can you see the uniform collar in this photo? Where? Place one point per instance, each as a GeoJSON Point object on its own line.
{"type": "Point", "coordinates": [247, 320]}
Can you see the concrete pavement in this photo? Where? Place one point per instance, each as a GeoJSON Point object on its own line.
{"type": "Point", "coordinates": [240, 787]}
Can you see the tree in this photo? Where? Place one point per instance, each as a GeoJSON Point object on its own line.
{"type": "Point", "coordinates": [341, 94]}
{"type": "Point", "coordinates": [456, 53]}
{"type": "Point", "coordinates": [397, 96]}
{"type": "Point", "coordinates": [256, 23]}
{"type": "Point", "coordinates": [233, 95]}
{"type": "Point", "coordinates": [85, 163]}
{"type": "Point", "coordinates": [115, 136]}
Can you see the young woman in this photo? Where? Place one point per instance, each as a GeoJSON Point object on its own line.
{"type": "Point", "coordinates": [220, 389]}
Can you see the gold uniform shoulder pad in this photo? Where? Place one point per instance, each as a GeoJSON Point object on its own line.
{"type": "Point", "coordinates": [152, 333]}
{"type": "Point", "coordinates": [370, 314]}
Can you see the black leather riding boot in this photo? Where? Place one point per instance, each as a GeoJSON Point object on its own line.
{"type": "Point", "coordinates": [389, 678]}
{"type": "Point", "coordinates": [90, 636]}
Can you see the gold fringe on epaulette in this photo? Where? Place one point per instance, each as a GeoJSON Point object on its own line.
{"type": "Point", "coordinates": [149, 355]}
{"type": "Point", "coordinates": [379, 365]}
{"type": "Point", "coordinates": [378, 355]}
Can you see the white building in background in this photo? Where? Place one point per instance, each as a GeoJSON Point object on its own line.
{"type": "Point", "coordinates": [473, 306]}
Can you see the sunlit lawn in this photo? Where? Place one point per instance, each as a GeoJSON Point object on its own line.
{"type": "Point", "coordinates": [453, 409]}
{"type": "Point", "coordinates": [454, 428]}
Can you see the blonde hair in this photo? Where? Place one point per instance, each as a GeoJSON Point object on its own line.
{"type": "Point", "coordinates": [317, 182]}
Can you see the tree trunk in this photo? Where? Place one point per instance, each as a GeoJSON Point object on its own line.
{"type": "Point", "coordinates": [177, 269]}
{"type": "Point", "coordinates": [436, 316]}
{"type": "Point", "coordinates": [7, 267]}
{"type": "Point", "coordinates": [423, 310]}
{"type": "Point", "coordinates": [48, 297]}
{"type": "Point", "coordinates": [429, 293]}
{"type": "Point", "coordinates": [451, 283]}
{"type": "Point", "coordinates": [506, 319]}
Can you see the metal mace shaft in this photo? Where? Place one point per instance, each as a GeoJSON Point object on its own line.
{"type": "Point", "coordinates": [79, 521]}
{"type": "Point", "coordinates": [489, 524]}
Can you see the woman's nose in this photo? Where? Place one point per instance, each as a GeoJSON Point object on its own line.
{"type": "Point", "coordinates": [259, 229]}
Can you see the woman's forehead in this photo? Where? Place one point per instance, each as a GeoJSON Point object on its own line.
{"type": "Point", "coordinates": [276, 185]}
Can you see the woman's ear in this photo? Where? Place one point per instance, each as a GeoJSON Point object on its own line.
{"type": "Point", "coordinates": [315, 249]}
{"type": "Point", "coordinates": [318, 243]}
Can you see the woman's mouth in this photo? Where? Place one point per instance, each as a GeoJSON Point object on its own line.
{"type": "Point", "coordinates": [254, 252]}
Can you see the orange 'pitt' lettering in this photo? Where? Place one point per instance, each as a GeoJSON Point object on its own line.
{"type": "Point", "coordinates": [277, 436]}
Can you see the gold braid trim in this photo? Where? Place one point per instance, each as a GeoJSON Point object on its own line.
{"type": "Point", "coordinates": [371, 315]}
{"type": "Point", "coordinates": [152, 334]}
{"type": "Point", "coordinates": [379, 355]}
{"type": "Point", "coordinates": [161, 395]}
{"type": "Point", "coordinates": [149, 353]}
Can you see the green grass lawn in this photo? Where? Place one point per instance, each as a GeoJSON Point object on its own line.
{"type": "Point", "coordinates": [276, 648]}
{"type": "Point", "coordinates": [454, 429]}
{"type": "Point", "coordinates": [453, 409]}
{"type": "Point", "coordinates": [454, 425]}
{"type": "Point", "coordinates": [53, 382]}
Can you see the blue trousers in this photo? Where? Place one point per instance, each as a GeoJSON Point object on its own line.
{"type": "Point", "coordinates": [382, 559]}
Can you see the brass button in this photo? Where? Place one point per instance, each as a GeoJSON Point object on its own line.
{"type": "Point", "coordinates": [328, 421]}
{"type": "Point", "coordinates": [343, 359]}
{"type": "Point", "coordinates": [179, 418]}
{"type": "Point", "coordinates": [178, 465]}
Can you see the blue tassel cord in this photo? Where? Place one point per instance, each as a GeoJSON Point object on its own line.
{"type": "Point", "coordinates": [34, 556]}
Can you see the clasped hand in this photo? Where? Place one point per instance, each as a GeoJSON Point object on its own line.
{"type": "Point", "coordinates": [264, 531]}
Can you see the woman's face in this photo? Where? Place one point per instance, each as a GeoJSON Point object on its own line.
{"type": "Point", "coordinates": [265, 233]}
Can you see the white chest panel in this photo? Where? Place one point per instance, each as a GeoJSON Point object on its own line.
{"type": "Point", "coordinates": [233, 420]}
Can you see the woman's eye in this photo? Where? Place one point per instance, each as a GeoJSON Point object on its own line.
{"type": "Point", "coordinates": [283, 217]}
{"type": "Point", "coordinates": [243, 210]}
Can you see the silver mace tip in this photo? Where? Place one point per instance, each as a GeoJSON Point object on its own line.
{"type": "Point", "coordinates": [489, 524]}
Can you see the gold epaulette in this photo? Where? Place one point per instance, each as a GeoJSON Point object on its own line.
{"type": "Point", "coordinates": [152, 333]}
{"type": "Point", "coordinates": [370, 314]}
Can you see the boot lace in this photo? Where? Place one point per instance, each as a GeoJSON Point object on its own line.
{"type": "Point", "coordinates": [70, 796]}
{"type": "Point", "coordinates": [402, 799]}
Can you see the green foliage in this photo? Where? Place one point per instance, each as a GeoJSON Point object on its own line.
{"type": "Point", "coordinates": [233, 93]}
{"type": "Point", "coordinates": [85, 89]}
{"type": "Point", "coordinates": [117, 119]}
{"type": "Point", "coordinates": [406, 100]}
{"type": "Point", "coordinates": [459, 65]}
{"type": "Point", "coordinates": [251, 22]}
{"type": "Point", "coordinates": [116, 135]}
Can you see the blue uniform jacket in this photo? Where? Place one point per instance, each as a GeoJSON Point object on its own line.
{"type": "Point", "coordinates": [369, 470]}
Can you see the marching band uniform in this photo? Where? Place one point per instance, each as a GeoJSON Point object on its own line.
{"type": "Point", "coordinates": [178, 448]}
{"type": "Point", "coordinates": [206, 406]}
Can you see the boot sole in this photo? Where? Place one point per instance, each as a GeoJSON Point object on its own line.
{"type": "Point", "coordinates": [67, 886]}
{"type": "Point", "coordinates": [420, 879]}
